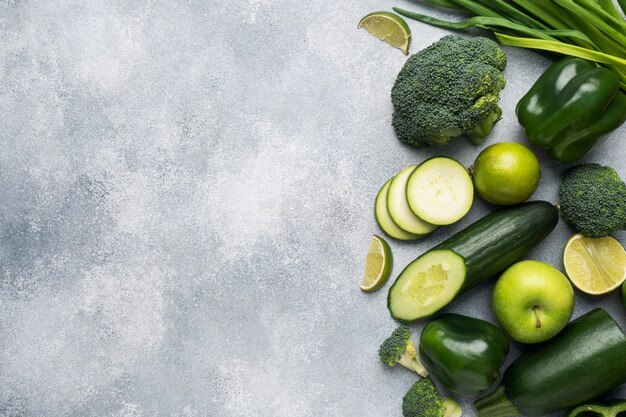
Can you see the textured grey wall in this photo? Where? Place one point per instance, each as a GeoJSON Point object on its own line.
{"type": "Point", "coordinates": [187, 192]}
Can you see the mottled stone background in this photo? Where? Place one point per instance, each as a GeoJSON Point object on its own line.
{"type": "Point", "coordinates": [186, 202]}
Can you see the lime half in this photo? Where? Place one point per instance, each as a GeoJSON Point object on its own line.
{"type": "Point", "coordinates": [595, 266]}
{"type": "Point", "coordinates": [388, 27]}
{"type": "Point", "coordinates": [377, 265]}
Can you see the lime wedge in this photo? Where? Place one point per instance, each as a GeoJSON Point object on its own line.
{"type": "Point", "coordinates": [388, 27]}
{"type": "Point", "coordinates": [377, 265]}
{"type": "Point", "coordinates": [595, 266]}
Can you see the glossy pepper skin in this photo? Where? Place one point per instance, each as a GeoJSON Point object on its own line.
{"type": "Point", "coordinates": [611, 408]}
{"type": "Point", "coordinates": [463, 353]}
{"type": "Point", "coordinates": [570, 107]}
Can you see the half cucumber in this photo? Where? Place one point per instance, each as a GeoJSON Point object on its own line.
{"type": "Point", "coordinates": [440, 191]}
{"type": "Point", "coordinates": [398, 206]}
{"type": "Point", "coordinates": [384, 219]}
{"type": "Point", "coordinates": [471, 256]}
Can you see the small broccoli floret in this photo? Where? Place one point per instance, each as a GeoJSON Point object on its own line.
{"type": "Point", "coordinates": [398, 348]}
{"type": "Point", "coordinates": [593, 200]}
{"type": "Point", "coordinates": [447, 90]}
{"type": "Point", "coordinates": [423, 400]}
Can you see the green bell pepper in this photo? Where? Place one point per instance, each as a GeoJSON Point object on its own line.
{"type": "Point", "coordinates": [570, 107]}
{"type": "Point", "coordinates": [463, 353]}
{"type": "Point", "coordinates": [611, 408]}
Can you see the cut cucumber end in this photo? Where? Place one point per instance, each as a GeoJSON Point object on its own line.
{"type": "Point", "coordinates": [384, 219]}
{"type": "Point", "coordinates": [399, 208]}
{"type": "Point", "coordinates": [440, 191]}
{"type": "Point", "coordinates": [426, 285]}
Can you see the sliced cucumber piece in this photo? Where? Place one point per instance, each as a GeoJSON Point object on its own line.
{"type": "Point", "coordinates": [426, 285]}
{"type": "Point", "coordinates": [384, 219]}
{"type": "Point", "coordinates": [399, 209]}
{"type": "Point", "coordinates": [440, 191]}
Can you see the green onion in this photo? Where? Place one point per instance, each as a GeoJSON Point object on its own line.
{"type": "Point", "coordinates": [588, 29]}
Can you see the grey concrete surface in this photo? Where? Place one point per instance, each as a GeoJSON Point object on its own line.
{"type": "Point", "coordinates": [187, 192]}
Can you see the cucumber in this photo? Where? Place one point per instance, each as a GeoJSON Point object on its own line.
{"type": "Point", "coordinates": [440, 191]}
{"type": "Point", "coordinates": [586, 359]}
{"type": "Point", "coordinates": [468, 258]}
{"type": "Point", "coordinates": [399, 209]}
{"type": "Point", "coordinates": [384, 219]}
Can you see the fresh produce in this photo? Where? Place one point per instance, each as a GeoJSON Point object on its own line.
{"type": "Point", "coordinates": [423, 400]}
{"type": "Point", "coordinates": [593, 200]}
{"type": "Point", "coordinates": [506, 173]}
{"type": "Point", "coordinates": [388, 27]}
{"type": "Point", "coordinates": [610, 408]}
{"type": "Point", "coordinates": [588, 29]}
{"type": "Point", "coordinates": [570, 107]}
{"type": "Point", "coordinates": [595, 265]}
{"type": "Point", "coordinates": [585, 360]}
{"type": "Point", "coordinates": [399, 349]}
{"type": "Point", "coordinates": [533, 301]}
{"type": "Point", "coordinates": [463, 353]}
{"type": "Point", "coordinates": [384, 218]}
{"type": "Point", "coordinates": [398, 205]}
{"type": "Point", "coordinates": [440, 191]}
{"type": "Point", "coordinates": [468, 258]}
{"type": "Point", "coordinates": [447, 90]}
{"type": "Point", "coordinates": [378, 265]}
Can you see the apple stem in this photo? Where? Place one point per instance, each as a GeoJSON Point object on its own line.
{"type": "Point", "coordinates": [538, 322]}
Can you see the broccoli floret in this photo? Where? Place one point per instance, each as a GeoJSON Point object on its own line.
{"type": "Point", "coordinates": [593, 200]}
{"type": "Point", "coordinates": [398, 348]}
{"type": "Point", "coordinates": [423, 400]}
{"type": "Point", "coordinates": [447, 90]}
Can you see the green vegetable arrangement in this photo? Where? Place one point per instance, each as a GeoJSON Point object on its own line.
{"type": "Point", "coordinates": [589, 29]}
{"type": "Point", "coordinates": [451, 89]}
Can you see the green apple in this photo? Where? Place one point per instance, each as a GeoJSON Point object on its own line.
{"type": "Point", "coordinates": [533, 301]}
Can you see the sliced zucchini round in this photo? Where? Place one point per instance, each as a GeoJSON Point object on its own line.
{"type": "Point", "coordinates": [399, 209]}
{"type": "Point", "coordinates": [384, 219]}
{"type": "Point", "coordinates": [440, 191]}
{"type": "Point", "coordinates": [426, 285]}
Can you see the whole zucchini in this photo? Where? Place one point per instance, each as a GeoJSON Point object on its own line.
{"type": "Point", "coordinates": [585, 360]}
{"type": "Point", "coordinates": [469, 257]}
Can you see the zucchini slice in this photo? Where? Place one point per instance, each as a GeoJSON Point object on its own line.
{"type": "Point", "coordinates": [399, 209]}
{"type": "Point", "coordinates": [429, 283]}
{"type": "Point", "coordinates": [384, 219]}
{"type": "Point", "coordinates": [440, 191]}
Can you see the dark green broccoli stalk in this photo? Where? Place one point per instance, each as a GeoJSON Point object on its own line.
{"type": "Point", "coordinates": [593, 200]}
{"type": "Point", "coordinates": [423, 400]}
{"type": "Point", "coordinates": [447, 90]}
{"type": "Point", "coordinates": [398, 348]}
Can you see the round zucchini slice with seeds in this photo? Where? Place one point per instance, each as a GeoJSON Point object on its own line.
{"type": "Point", "coordinates": [440, 191]}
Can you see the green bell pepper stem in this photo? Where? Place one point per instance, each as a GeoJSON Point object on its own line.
{"type": "Point", "coordinates": [463, 353]}
{"type": "Point", "coordinates": [609, 408]}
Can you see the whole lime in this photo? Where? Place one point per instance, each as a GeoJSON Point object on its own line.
{"type": "Point", "coordinates": [506, 173]}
